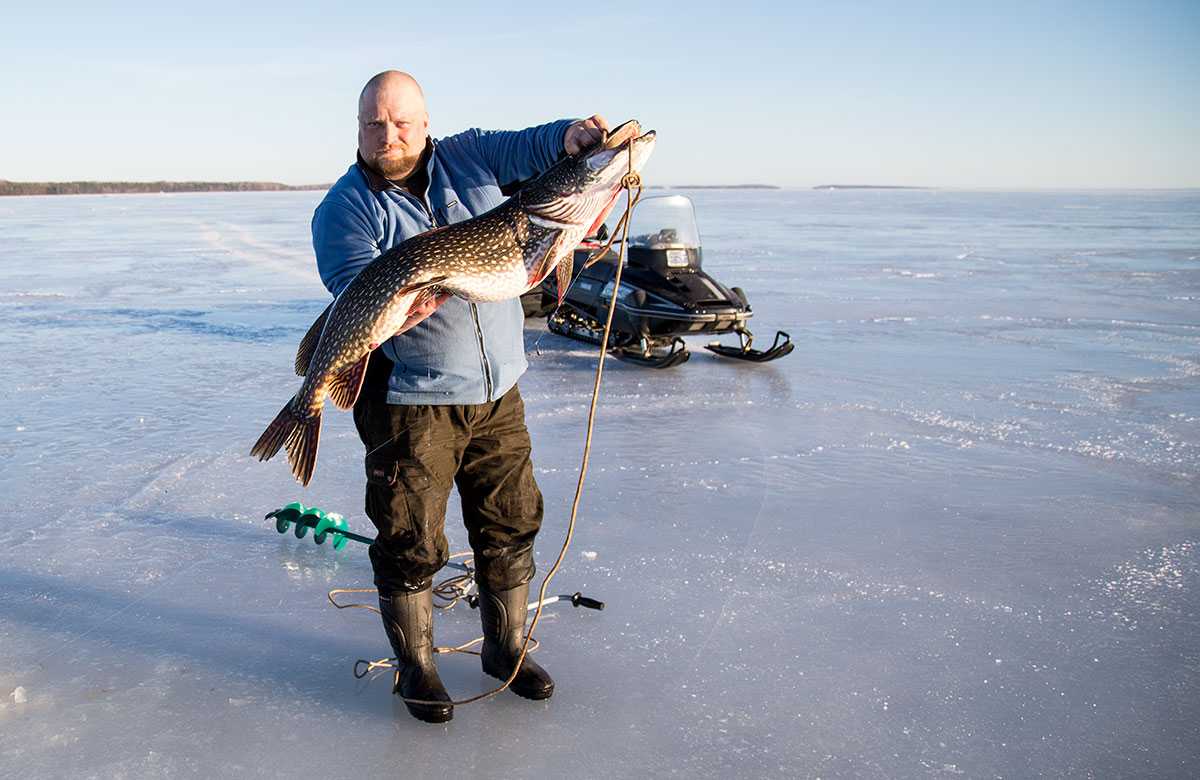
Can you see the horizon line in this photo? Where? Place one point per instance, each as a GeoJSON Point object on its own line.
{"type": "Point", "coordinates": [263, 185]}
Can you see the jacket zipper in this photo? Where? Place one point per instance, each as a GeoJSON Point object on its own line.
{"type": "Point", "coordinates": [487, 369]}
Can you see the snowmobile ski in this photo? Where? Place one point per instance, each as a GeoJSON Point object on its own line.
{"type": "Point", "coordinates": [783, 345]}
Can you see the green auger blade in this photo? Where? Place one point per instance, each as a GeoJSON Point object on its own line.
{"type": "Point", "coordinates": [330, 522]}
{"type": "Point", "coordinates": [321, 522]}
{"type": "Point", "coordinates": [285, 516]}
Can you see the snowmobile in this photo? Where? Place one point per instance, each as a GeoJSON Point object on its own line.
{"type": "Point", "coordinates": [664, 294]}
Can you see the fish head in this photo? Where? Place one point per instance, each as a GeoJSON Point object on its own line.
{"type": "Point", "coordinates": [579, 191]}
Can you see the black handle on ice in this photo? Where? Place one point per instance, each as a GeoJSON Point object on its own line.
{"type": "Point", "coordinates": [581, 600]}
{"type": "Point", "coordinates": [577, 599]}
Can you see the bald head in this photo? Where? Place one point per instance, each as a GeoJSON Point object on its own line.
{"type": "Point", "coordinates": [392, 123]}
{"type": "Point", "coordinates": [394, 83]}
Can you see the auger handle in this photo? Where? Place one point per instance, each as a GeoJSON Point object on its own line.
{"type": "Point", "coordinates": [580, 600]}
{"type": "Point", "coordinates": [577, 599]}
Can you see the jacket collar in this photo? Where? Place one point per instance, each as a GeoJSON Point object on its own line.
{"type": "Point", "coordinates": [377, 182]}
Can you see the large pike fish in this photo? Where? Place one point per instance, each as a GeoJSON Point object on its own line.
{"type": "Point", "coordinates": [497, 255]}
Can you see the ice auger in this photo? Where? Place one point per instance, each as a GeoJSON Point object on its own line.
{"type": "Point", "coordinates": [325, 524]}
{"type": "Point", "coordinates": [322, 523]}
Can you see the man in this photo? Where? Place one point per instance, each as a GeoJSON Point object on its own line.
{"type": "Point", "coordinates": [440, 406]}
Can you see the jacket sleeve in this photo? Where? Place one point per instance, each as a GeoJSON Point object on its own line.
{"type": "Point", "coordinates": [344, 243]}
{"type": "Point", "coordinates": [516, 155]}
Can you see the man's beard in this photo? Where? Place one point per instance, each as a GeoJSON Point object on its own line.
{"type": "Point", "coordinates": [396, 168]}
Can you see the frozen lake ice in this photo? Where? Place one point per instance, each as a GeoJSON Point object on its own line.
{"type": "Point", "coordinates": [954, 533]}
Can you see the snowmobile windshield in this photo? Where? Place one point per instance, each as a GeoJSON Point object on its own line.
{"type": "Point", "coordinates": [664, 222]}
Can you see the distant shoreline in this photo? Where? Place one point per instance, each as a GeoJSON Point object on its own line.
{"type": "Point", "coordinates": [713, 187]}
{"type": "Point", "coordinates": [868, 187]}
{"type": "Point", "coordinates": [144, 187]}
{"type": "Point", "coordinates": [156, 187]}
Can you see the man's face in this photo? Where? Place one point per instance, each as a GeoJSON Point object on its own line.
{"type": "Point", "coordinates": [392, 128]}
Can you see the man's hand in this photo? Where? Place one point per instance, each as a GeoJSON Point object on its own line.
{"type": "Point", "coordinates": [424, 306]}
{"type": "Point", "coordinates": [584, 134]}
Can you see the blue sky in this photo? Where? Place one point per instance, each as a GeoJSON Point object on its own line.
{"type": "Point", "coordinates": [991, 95]}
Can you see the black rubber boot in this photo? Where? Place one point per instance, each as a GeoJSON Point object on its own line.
{"type": "Point", "coordinates": [503, 616]}
{"type": "Point", "coordinates": [408, 621]}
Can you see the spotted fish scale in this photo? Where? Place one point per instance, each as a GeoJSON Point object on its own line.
{"type": "Point", "coordinates": [493, 257]}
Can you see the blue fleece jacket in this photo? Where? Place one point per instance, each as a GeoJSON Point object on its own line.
{"type": "Point", "coordinates": [465, 353]}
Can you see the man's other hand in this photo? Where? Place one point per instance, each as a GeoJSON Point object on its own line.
{"type": "Point", "coordinates": [584, 134]}
{"type": "Point", "coordinates": [424, 306]}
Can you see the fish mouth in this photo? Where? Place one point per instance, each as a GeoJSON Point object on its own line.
{"type": "Point", "coordinates": [624, 132]}
{"type": "Point", "coordinates": [642, 146]}
{"type": "Point", "coordinates": [627, 138]}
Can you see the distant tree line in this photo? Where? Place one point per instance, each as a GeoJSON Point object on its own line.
{"type": "Point", "coordinates": [113, 187]}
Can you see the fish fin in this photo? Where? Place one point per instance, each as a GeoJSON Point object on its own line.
{"type": "Point", "coordinates": [538, 272]}
{"type": "Point", "coordinates": [346, 384]}
{"type": "Point", "coordinates": [562, 276]}
{"type": "Point", "coordinates": [308, 344]}
{"type": "Point", "coordinates": [412, 288]}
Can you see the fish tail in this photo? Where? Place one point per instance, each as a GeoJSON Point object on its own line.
{"type": "Point", "coordinates": [302, 447]}
{"type": "Point", "coordinates": [300, 434]}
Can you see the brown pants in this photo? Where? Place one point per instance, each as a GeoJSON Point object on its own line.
{"type": "Point", "coordinates": [415, 454]}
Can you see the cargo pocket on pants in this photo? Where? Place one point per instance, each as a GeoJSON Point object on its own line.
{"type": "Point", "coordinates": [403, 501]}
